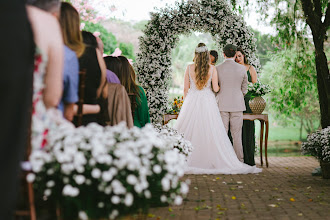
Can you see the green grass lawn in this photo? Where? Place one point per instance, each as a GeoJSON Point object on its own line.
{"type": "Point", "coordinates": [281, 133]}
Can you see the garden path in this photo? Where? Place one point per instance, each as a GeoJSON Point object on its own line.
{"type": "Point", "coordinates": [285, 190]}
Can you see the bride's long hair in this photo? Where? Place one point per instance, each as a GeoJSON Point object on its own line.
{"type": "Point", "coordinates": [202, 65]}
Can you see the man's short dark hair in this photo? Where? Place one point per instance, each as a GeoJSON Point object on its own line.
{"type": "Point", "coordinates": [230, 50]}
{"type": "Point", "coordinates": [214, 54]}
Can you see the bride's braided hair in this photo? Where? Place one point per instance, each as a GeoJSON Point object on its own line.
{"type": "Point", "coordinates": [201, 60]}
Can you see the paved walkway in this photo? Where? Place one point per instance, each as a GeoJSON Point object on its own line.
{"type": "Point", "coordinates": [285, 190]}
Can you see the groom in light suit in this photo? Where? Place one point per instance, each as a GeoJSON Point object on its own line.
{"type": "Point", "coordinates": [233, 86]}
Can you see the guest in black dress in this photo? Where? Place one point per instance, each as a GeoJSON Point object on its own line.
{"type": "Point", "coordinates": [16, 97]}
{"type": "Point", "coordinates": [248, 137]}
{"type": "Point", "coordinates": [95, 83]}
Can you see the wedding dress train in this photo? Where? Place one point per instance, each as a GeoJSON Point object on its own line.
{"type": "Point", "coordinates": [200, 122]}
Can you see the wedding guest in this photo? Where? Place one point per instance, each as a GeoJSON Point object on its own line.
{"type": "Point", "coordinates": [118, 106]}
{"type": "Point", "coordinates": [213, 57]}
{"type": "Point", "coordinates": [16, 94]}
{"type": "Point", "coordinates": [248, 130]}
{"type": "Point", "coordinates": [71, 66]}
{"type": "Point", "coordinates": [70, 25]}
{"type": "Point", "coordinates": [95, 84]}
{"type": "Point", "coordinates": [126, 75]}
{"type": "Point", "coordinates": [110, 63]}
{"type": "Point", "coordinates": [70, 22]}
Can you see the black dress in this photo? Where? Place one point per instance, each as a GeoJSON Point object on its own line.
{"type": "Point", "coordinates": [248, 138]}
{"type": "Point", "coordinates": [90, 62]}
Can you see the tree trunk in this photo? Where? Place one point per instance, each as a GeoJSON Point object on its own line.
{"type": "Point", "coordinates": [312, 11]}
{"type": "Point", "coordinates": [323, 82]}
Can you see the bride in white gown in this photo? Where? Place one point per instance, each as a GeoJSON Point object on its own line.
{"type": "Point", "coordinates": [201, 123]}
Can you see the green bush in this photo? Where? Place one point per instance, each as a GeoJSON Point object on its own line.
{"type": "Point", "coordinates": [109, 40]}
{"type": "Point", "coordinates": [127, 50]}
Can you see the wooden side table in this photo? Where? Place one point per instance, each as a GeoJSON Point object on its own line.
{"type": "Point", "coordinates": [169, 117]}
{"type": "Point", "coordinates": [263, 118]}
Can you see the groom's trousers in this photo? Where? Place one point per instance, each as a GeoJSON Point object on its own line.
{"type": "Point", "coordinates": [235, 120]}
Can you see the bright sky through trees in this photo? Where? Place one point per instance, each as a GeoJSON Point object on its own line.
{"type": "Point", "coordinates": [137, 10]}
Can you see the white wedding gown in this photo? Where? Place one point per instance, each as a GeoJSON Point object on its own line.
{"type": "Point", "coordinates": [200, 122]}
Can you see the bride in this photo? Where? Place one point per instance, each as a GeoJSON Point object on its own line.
{"type": "Point", "coordinates": [201, 123]}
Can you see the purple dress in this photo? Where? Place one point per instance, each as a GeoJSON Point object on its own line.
{"type": "Point", "coordinates": [112, 77]}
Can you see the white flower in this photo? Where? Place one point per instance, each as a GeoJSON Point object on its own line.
{"type": "Point", "coordinates": [118, 187]}
{"type": "Point", "coordinates": [157, 169]}
{"type": "Point", "coordinates": [96, 173]}
{"type": "Point", "coordinates": [129, 199]}
{"type": "Point", "coordinates": [115, 200]}
{"type": "Point", "coordinates": [114, 214]}
{"type": "Point", "coordinates": [71, 191]}
{"type": "Point", "coordinates": [66, 180]}
{"type": "Point", "coordinates": [50, 184]}
{"type": "Point", "coordinates": [163, 198]}
{"type": "Point", "coordinates": [30, 177]}
{"type": "Point", "coordinates": [107, 176]}
{"type": "Point", "coordinates": [83, 215]}
{"type": "Point", "coordinates": [50, 172]}
{"type": "Point", "coordinates": [80, 179]}
{"type": "Point", "coordinates": [184, 188]}
{"type": "Point", "coordinates": [47, 192]}
{"type": "Point", "coordinates": [178, 200]}
{"type": "Point", "coordinates": [165, 184]}
{"type": "Point", "coordinates": [131, 179]}
{"type": "Point", "coordinates": [147, 194]}
{"type": "Point", "coordinates": [100, 204]}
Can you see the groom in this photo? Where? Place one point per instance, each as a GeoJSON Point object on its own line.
{"type": "Point", "coordinates": [233, 86]}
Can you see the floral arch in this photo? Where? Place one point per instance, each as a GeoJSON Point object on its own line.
{"type": "Point", "coordinates": [161, 35]}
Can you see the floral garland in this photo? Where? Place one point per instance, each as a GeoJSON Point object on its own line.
{"type": "Point", "coordinates": [161, 35]}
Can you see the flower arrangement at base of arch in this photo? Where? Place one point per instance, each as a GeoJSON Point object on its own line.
{"type": "Point", "coordinates": [153, 62]}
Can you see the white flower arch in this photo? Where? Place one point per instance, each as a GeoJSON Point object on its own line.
{"type": "Point", "coordinates": [161, 35]}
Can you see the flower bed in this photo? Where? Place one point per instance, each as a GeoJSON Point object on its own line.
{"type": "Point", "coordinates": [105, 172]}
{"type": "Point", "coordinates": [318, 145]}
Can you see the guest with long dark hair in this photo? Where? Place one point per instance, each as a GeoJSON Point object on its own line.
{"type": "Point", "coordinates": [95, 84]}
{"type": "Point", "coordinates": [248, 137]}
{"type": "Point", "coordinates": [126, 74]}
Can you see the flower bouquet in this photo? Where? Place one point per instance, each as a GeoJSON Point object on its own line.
{"type": "Point", "coordinates": [255, 91]}
{"type": "Point", "coordinates": [318, 146]}
{"type": "Point", "coordinates": [176, 105]}
{"type": "Point", "coordinates": [104, 172]}
{"type": "Point", "coordinates": [258, 89]}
